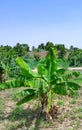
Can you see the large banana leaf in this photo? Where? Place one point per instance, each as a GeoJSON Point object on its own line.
{"type": "Point", "coordinates": [42, 70]}
{"type": "Point", "coordinates": [73, 85]}
{"type": "Point", "coordinates": [14, 83]}
{"type": "Point", "coordinates": [51, 60]}
{"type": "Point", "coordinates": [51, 64]}
{"type": "Point", "coordinates": [25, 92]}
{"type": "Point", "coordinates": [27, 98]}
{"type": "Point", "coordinates": [64, 88]}
{"type": "Point", "coordinates": [26, 71]}
{"type": "Point", "coordinates": [60, 71]}
{"type": "Point", "coordinates": [38, 84]}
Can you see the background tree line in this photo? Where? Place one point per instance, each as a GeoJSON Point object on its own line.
{"type": "Point", "coordinates": [9, 54]}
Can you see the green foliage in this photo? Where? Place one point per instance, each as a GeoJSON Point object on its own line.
{"type": "Point", "coordinates": [75, 57]}
{"type": "Point", "coordinates": [30, 61]}
{"type": "Point", "coordinates": [61, 50]}
{"type": "Point", "coordinates": [2, 72]}
{"type": "Point", "coordinates": [12, 83]}
{"type": "Point", "coordinates": [21, 49]}
{"type": "Point", "coordinates": [60, 102]}
{"type": "Point", "coordinates": [36, 56]}
{"type": "Point", "coordinates": [41, 47]}
{"type": "Point", "coordinates": [63, 63]}
{"type": "Point", "coordinates": [45, 83]}
{"type": "Point", "coordinates": [49, 45]}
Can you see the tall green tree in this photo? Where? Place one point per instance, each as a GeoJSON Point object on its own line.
{"type": "Point", "coordinates": [75, 57]}
{"type": "Point", "coordinates": [41, 47]}
{"type": "Point", "coordinates": [49, 45]}
{"type": "Point", "coordinates": [21, 49]}
{"type": "Point", "coordinates": [61, 50]}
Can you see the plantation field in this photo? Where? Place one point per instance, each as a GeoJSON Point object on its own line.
{"type": "Point", "coordinates": [50, 95]}
{"type": "Point", "coordinates": [28, 117]}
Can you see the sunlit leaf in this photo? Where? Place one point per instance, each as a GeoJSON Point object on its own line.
{"type": "Point", "coordinates": [26, 71]}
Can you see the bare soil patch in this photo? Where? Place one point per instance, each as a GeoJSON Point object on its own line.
{"type": "Point", "coordinates": [75, 68]}
{"type": "Point", "coordinates": [28, 117]}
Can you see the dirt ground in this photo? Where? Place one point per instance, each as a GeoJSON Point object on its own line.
{"type": "Point", "coordinates": [75, 68]}
{"type": "Point", "coordinates": [70, 68]}
{"type": "Point", "coordinates": [27, 116]}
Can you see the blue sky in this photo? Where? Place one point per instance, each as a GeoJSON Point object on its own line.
{"type": "Point", "coordinates": [38, 21]}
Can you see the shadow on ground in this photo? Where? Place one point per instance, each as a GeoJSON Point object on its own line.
{"type": "Point", "coordinates": [32, 118]}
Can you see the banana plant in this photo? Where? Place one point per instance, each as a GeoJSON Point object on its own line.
{"type": "Point", "coordinates": [48, 81]}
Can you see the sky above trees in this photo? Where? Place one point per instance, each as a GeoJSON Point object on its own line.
{"type": "Point", "coordinates": [38, 21]}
